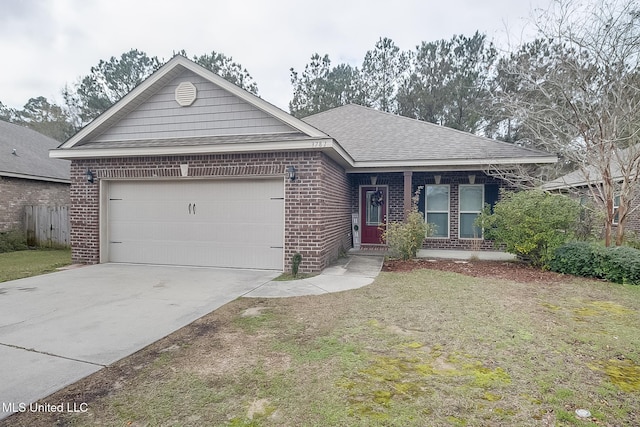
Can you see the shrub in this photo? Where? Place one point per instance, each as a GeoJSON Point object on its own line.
{"type": "Point", "coordinates": [622, 265]}
{"type": "Point", "coordinates": [579, 259]}
{"type": "Point", "coordinates": [295, 263]}
{"type": "Point", "coordinates": [405, 238]}
{"type": "Point", "coordinates": [532, 224]}
{"type": "Point", "coordinates": [618, 264]}
{"type": "Point", "coordinates": [12, 240]}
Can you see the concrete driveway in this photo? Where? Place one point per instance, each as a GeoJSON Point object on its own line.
{"type": "Point", "coordinates": [63, 326]}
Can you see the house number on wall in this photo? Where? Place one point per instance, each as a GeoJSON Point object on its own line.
{"type": "Point", "coordinates": [318, 144]}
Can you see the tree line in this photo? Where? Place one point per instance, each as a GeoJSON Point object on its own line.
{"type": "Point", "coordinates": [573, 91]}
{"type": "Point", "coordinates": [106, 83]}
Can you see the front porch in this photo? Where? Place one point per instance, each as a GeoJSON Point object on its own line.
{"type": "Point", "coordinates": [451, 200]}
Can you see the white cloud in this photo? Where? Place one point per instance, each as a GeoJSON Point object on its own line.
{"type": "Point", "coordinates": [52, 43]}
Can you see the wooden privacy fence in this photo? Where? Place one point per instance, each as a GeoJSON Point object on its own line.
{"type": "Point", "coordinates": [47, 225]}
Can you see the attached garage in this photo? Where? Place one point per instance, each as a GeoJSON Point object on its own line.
{"type": "Point", "coordinates": [213, 176]}
{"type": "Point", "coordinates": [237, 223]}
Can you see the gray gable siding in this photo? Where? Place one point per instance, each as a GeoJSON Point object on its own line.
{"type": "Point", "coordinates": [215, 112]}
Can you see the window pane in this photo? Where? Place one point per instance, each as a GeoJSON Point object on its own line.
{"type": "Point", "coordinates": [467, 230]}
{"type": "Point", "coordinates": [441, 221]}
{"type": "Point", "coordinates": [437, 198]}
{"type": "Point", "coordinates": [471, 198]}
{"type": "Point", "coordinates": [374, 212]}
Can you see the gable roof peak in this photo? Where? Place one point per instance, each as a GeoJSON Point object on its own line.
{"type": "Point", "coordinates": [171, 69]}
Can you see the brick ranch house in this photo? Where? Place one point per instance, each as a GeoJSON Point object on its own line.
{"type": "Point", "coordinates": [189, 169]}
{"type": "Point", "coordinates": [27, 175]}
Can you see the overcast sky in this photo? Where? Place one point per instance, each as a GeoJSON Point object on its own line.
{"type": "Point", "coordinates": [46, 44]}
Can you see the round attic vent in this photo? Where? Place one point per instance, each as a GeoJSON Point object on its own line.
{"type": "Point", "coordinates": [185, 94]}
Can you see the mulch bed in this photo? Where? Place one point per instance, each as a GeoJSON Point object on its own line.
{"type": "Point", "coordinates": [508, 270]}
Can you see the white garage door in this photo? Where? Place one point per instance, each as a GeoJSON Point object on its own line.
{"type": "Point", "coordinates": [217, 223]}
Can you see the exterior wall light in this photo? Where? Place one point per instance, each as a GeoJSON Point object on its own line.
{"type": "Point", "coordinates": [291, 173]}
{"type": "Point", "coordinates": [90, 176]}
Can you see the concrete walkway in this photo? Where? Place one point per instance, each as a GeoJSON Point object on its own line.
{"type": "Point", "coordinates": [444, 254]}
{"type": "Point", "coordinates": [358, 269]}
{"type": "Point", "coordinates": [466, 255]}
{"type": "Point", "coordinates": [352, 272]}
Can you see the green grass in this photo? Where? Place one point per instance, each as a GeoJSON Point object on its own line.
{"type": "Point", "coordinates": [20, 264]}
{"type": "Point", "coordinates": [412, 349]}
{"type": "Point", "coordinates": [285, 277]}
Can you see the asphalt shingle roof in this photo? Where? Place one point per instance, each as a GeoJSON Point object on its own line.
{"type": "Point", "coordinates": [31, 159]}
{"type": "Point", "coordinates": [591, 175]}
{"type": "Point", "coordinates": [371, 135]}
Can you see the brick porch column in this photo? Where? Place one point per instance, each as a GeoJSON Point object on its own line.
{"type": "Point", "coordinates": [408, 184]}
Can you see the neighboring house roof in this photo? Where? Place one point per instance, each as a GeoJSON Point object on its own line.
{"type": "Point", "coordinates": [374, 137]}
{"type": "Point", "coordinates": [590, 175]}
{"type": "Point", "coordinates": [357, 137]}
{"type": "Point", "coordinates": [24, 153]}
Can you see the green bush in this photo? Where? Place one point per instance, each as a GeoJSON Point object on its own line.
{"type": "Point", "coordinates": [580, 259]}
{"type": "Point", "coordinates": [618, 264]}
{"type": "Point", "coordinates": [12, 240]}
{"type": "Point", "coordinates": [622, 265]}
{"type": "Point", "coordinates": [295, 263]}
{"type": "Point", "coordinates": [532, 224]}
{"type": "Point", "coordinates": [405, 238]}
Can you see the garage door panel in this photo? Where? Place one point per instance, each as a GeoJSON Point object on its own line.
{"type": "Point", "coordinates": [230, 223]}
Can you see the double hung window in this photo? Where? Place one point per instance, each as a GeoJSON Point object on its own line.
{"type": "Point", "coordinates": [471, 202]}
{"type": "Point", "coordinates": [437, 209]}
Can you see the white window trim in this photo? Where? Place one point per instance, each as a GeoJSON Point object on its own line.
{"type": "Point", "coordinates": [460, 211]}
{"type": "Point", "coordinates": [448, 211]}
{"type": "Point", "coordinates": [616, 206]}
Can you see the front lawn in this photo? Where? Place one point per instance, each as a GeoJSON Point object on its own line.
{"type": "Point", "coordinates": [416, 348]}
{"type": "Point", "coordinates": [16, 265]}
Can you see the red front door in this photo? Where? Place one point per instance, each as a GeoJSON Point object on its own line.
{"type": "Point", "coordinates": [373, 213]}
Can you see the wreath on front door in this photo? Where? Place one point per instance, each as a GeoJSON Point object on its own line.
{"type": "Point", "coordinates": [377, 198]}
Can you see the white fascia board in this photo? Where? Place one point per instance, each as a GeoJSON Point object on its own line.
{"type": "Point", "coordinates": [91, 153]}
{"type": "Point", "coordinates": [553, 185]}
{"type": "Point", "coordinates": [480, 163]}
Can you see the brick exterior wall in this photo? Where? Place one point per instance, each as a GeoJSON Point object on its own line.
{"type": "Point", "coordinates": [16, 193]}
{"type": "Point", "coordinates": [395, 206]}
{"type": "Point", "coordinates": [316, 210]}
{"type": "Point", "coordinates": [632, 225]}
{"type": "Point", "coordinates": [633, 219]}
